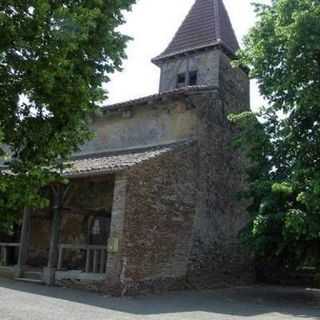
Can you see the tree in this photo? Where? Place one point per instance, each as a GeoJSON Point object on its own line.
{"type": "Point", "coordinates": [54, 58]}
{"type": "Point", "coordinates": [283, 54]}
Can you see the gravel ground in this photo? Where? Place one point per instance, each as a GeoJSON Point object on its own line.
{"type": "Point", "coordinates": [21, 301]}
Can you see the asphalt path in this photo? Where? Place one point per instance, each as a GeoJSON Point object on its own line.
{"type": "Point", "coordinates": [22, 301]}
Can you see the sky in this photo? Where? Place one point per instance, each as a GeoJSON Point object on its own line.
{"type": "Point", "coordinates": [152, 24]}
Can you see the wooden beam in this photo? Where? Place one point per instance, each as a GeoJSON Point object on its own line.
{"type": "Point", "coordinates": [102, 178]}
{"type": "Point", "coordinates": [49, 272]}
{"type": "Point", "coordinates": [95, 261]}
{"type": "Point", "coordinates": [24, 239]}
{"type": "Point", "coordinates": [75, 210]}
{"type": "Point", "coordinates": [82, 247]}
{"type": "Point", "coordinates": [88, 260]}
{"type": "Point", "coordinates": [4, 256]}
{"type": "Point", "coordinates": [55, 227]}
{"type": "Point", "coordinates": [103, 261]}
{"type": "Point", "coordinates": [60, 259]}
{"type": "Point", "coordinates": [13, 244]}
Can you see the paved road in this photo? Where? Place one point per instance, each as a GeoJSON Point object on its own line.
{"type": "Point", "coordinates": [20, 301]}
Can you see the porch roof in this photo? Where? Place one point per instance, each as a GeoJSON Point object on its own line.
{"type": "Point", "coordinates": [110, 162]}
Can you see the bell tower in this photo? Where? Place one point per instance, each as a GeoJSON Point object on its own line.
{"type": "Point", "coordinates": [193, 57]}
{"type": "Point", "coordinates": [200, 54]}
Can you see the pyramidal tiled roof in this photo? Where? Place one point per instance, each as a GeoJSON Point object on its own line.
{"type": "Point", "coordinates": [207, 24]}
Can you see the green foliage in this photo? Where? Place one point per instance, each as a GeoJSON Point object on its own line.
{"type": "Point", "coordinates": [1, 148]}
{"type": "Point", "coordinates": [54, 58]}
{"type": "Point", "coordinates": [283, 53]}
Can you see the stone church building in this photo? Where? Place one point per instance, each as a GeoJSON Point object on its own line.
{"type": "Point", "coordinates": [154, 198]}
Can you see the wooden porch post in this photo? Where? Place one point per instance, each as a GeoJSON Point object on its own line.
{"type": "Point", "coordinates": [49, 272]}
{"type": "Point", "coordinates": [24, 239]}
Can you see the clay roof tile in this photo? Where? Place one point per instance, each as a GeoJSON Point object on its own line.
{"type": "Point", "coordinates": [207, 24]}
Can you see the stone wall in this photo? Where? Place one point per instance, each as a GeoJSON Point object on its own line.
{"type": "Point", "coordinates": [234, 87]}
{"type": "Point", "coordinates": [160, 206]}
{"type": "Point", "coordinates": [116, 261]}
{"type": "Point", "coordinates": [217, 254]}
{"type": "Point", "coordinates": [182, 213]}
{"type": "Point", "coordinates": [142, 126]}
{"type": "Point", "coordinates": [39, 238]}
{"type": "Point", "coordinates": [206, 63]}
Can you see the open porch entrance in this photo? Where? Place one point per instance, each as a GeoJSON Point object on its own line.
{"type": "Point", "coordinates": [68, 242]}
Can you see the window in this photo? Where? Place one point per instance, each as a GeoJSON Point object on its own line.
{"type": "Point", "coordinates": [181, 80]}
{"type": "Point", "coordinates": [193, 78]}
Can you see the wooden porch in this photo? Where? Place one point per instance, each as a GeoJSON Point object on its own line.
{"type": "Point", "coordinates": [105, 260]}
{"type": "Point", "coordinates": [95, 263]}
{"type": "Point", "coordinates": [92, 258]}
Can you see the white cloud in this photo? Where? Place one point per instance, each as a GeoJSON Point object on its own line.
{"type": "Point", "coordinates": [152, 24]}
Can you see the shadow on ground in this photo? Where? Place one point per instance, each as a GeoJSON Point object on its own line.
{"type": "Point", "coordinates": [242, 302]}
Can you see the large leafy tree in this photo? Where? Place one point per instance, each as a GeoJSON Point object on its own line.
{"type": "Point", "coordinates": [54, 58]}
{"type": "Point", "coordinates": [283, 53]}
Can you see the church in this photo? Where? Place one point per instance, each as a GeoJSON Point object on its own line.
{"type": "Point", "coordinates": [153, 202]}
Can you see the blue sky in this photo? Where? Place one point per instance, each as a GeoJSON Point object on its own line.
{"type": "Point", "coordinates": [152, 24]}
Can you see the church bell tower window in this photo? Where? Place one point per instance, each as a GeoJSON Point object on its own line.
{"type": "Point", "coordinates": [193, 78]}
{"type": "Point", "coordinates": [181, 80]}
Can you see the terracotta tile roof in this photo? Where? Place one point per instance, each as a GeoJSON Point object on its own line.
{"type": "Point", "coordinates": [113, 161]}
{"type": "Point", "coordinates": [207, 25]}
{"type": "Point", "coordinates": [110, 162]}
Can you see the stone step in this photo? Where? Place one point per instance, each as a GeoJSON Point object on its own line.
{"type": "Point", "coordinates": [35, 275]}
{"type": "Point", "coordinates": [28, 280]}
{"type": "Point", "coordinates": [7, 272]}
